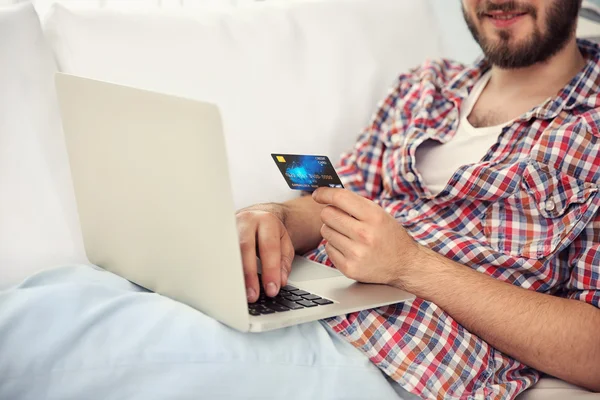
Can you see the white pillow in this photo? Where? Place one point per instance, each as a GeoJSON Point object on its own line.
{"type": "Point", "coordinates": [299, 77]}
{"type": "Point", "coordinates": [457, 42]}
{"type": "Point", "coordinates": [39, 227]}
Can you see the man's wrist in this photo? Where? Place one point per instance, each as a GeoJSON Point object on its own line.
{"type": "Point", "coordinates": [277, 209]}
{"type": "Point", "coordinates": [423, 271]}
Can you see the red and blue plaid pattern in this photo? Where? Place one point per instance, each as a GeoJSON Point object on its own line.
{"type": "Point", "coordinates": [526, 214]}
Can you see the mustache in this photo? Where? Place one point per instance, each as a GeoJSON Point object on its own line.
{"type": "Point", "coordinates": [515, 7]}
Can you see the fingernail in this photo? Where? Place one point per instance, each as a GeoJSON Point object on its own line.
{"type": "Point", "coordinates": [250, 293]}
{"type": "Point", "coordinates": [271, 289]}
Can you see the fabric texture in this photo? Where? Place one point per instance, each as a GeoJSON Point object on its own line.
{"type": "Point", "coordinates": [83, 333]}
{"type": "Point", "coordinates": [38, 217]}
{"type": "Point", "coordinates": [437, 162]}
{"type": "Point", "coordinates": [526, 214]}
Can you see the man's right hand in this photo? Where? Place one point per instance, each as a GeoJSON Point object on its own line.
{"type": "Point", "coordinates": [262, 233]}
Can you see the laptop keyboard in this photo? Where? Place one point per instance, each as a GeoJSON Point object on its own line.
{"type": "Point", "coordinates": [289, 298]}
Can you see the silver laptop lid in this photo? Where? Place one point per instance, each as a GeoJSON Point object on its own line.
{"type": "Point", "coordinates": [153, 193]}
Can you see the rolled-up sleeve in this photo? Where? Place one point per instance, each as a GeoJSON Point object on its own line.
{"type": "Point", "coordinates": [584, 259]}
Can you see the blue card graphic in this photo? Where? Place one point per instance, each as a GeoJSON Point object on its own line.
{"type": "Point", "coordinates": [305, 172]}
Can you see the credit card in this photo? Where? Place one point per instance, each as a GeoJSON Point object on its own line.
{"type": "Point", "coordinates": [304, 172]}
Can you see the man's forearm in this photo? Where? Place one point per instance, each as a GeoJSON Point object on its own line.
{"type": "Point", "coordinates": [554, 335]}
{"type": "Point", "coordinates": [301, 217]}
{"type": "Point", "coordinates": [303, 223]}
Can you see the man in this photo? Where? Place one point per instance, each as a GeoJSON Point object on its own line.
{"type": "Point", "coordinates": [475, 188]}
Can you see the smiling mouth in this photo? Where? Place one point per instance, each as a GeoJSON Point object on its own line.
{"type": "Point", "coordinates": [504, 16]}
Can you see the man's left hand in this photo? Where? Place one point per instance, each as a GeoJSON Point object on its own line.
{"type": "Point", "coordinates": [363, 241]}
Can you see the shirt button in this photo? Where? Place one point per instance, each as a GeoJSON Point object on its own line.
{"type": "Point", "coordinates": [412, 214]}
{"type": "Point", "coordinates": [410, 177]}
{"type": "Point", "coordinates": [550, 206]}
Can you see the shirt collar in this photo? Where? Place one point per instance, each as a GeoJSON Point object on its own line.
{"type": "Point", "coordinates": [582, 91]}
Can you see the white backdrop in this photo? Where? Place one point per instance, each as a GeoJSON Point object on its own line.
{"type": "Point", "coordinates": [42, 6]}
{"type": "Point", "coordinates": [457, 40]}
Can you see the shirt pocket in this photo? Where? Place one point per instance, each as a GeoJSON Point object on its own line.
{"type": "Point", "coordinates": [545, 211]}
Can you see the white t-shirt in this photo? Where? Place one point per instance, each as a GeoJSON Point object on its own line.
{"type": "Point", "coordinates": [437, 162]}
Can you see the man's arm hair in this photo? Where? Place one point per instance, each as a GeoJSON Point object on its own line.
{"type": "Point", "coordinates": [554, 335]}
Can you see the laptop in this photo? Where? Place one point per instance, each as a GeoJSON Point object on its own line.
{"type": "Point", "coordinates": [155, 204]}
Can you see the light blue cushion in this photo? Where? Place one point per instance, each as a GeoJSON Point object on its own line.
{"type": "Point", "coordinates": [83, 333]}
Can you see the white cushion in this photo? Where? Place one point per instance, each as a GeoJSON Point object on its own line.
{"type": "Point", "coordinates": [302, 77]}
{"type": "Point", "coordinates": [549, 388]}
{"type": "Point", "coordinates": [38, 219]}
{"type": "Point", "coordinates": [457, 42]}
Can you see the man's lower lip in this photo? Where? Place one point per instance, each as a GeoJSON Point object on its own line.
{"type": "Point", "coordinates": [505, 23]}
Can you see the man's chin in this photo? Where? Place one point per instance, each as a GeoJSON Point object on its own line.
{"type": "Point", "coordinates": [513, 38]}
{"type": "Point", "coordinates": [506, 47]}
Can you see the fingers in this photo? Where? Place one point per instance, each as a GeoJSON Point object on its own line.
{"type": "Point", "coordinates": [351, 203]}
{"type": "Point", "coordinates": [336, 257]}
{"type": "Point", "coordinates": [287, 257]}
{"type": "Point", "coordinates": [247, 237]}
{"type": "Point", "coordinates": [342, 243]}
{"type": "Point", "coordinates": [269, 248]}
{"type": "Point", "coordinates": [263, 234]}
{"type": "Point", "coordinates": [342, 222]}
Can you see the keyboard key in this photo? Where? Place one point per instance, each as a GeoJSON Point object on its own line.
{"type": "Point", "coordinates": [307, 303]}
{"type": "Point", "coordinates": [289, 304]}
{"type": "Point", "coordinates": [288, 298]}
{"type": "Point", "coordinates": [299, 292]}
{"type": "Point", "coordinates": [277, 307]}
{"type": "Point", "coordinates": [311, 297]}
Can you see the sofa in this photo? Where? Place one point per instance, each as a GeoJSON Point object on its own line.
{"type": "Point", "coordinates": [297, 77]}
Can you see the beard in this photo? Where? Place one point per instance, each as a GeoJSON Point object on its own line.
{"type": "Point", "coordinates": [560, 21]}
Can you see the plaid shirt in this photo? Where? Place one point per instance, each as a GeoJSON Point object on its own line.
{"type": "Point", "coordinates": [526, 214]}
